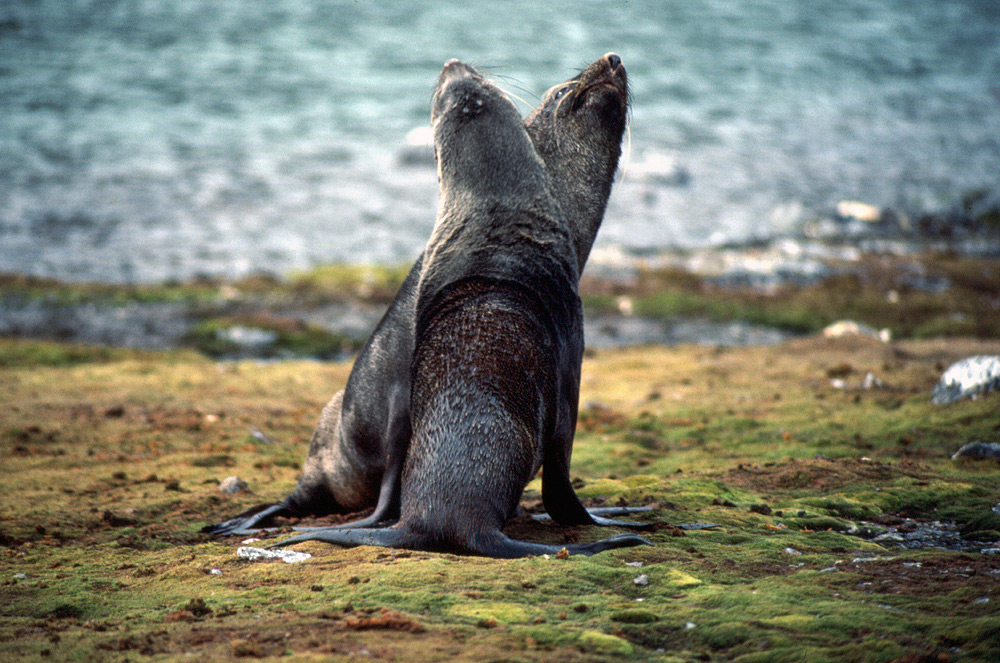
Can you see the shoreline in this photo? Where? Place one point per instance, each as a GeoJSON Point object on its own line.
{"type": "Point", "coordinates": [739, 295]}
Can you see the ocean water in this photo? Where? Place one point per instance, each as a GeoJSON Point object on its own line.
{"type": "Point", "coordinates": [143, 140]}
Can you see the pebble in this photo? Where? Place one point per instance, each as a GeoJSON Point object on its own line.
{"type": "Point", "coordinates": [233, 485]}
{"type": "Point", "coordinates": [641, 580]}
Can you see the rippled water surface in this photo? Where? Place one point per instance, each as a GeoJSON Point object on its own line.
{"type": "Point", "coordinates": [152, 139]}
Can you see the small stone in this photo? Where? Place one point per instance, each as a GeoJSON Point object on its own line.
{"type": "Point", "coordinates": [792, 551]}
{"type": "Point", "coordinates": [635, 564]}
{"type": "Point", "coordinates": [893, 537]}
{"type": "Point", "coordinates": [641, 580]}
{"type": "Point", "coordinates": [233, 485]}
{"type": "Point", "coordinates": [20, 576]}
{"type": "Point", "coordinates": [215, 572]}
{"type": "Point", "coordinates": [689, 626]}
{"type": "Point", "coordinates": [872, 382]}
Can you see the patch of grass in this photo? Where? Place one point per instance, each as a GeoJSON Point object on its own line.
{"type": "Point", "coordinates": [18, 353]}
{"type": "Point", "coordinates": [71, 293]}
{"type": "Point", "coordinates": [373, 283]}
{"type": "Point", "coordinates": [111, 467]}
{"type": "Point", "coordinates": [880, 291]}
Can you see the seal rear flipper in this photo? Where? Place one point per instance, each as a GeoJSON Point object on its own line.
{"type": "Point", "coordinates": [561, 501]}
{"type": "Point", "coordinates": [249, 521]}
{"type": "Point", "coordinates": [490, 544]}
{"type": "Point", "coordinates": [497, 544]}
{"type": "Point", "coordinates": [385, 537]}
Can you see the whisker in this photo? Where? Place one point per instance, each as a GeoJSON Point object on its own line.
{"type": "Point", "coordinates": [628, 150]}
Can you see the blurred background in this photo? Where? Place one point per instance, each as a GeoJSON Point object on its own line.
{"type": "Point", "coordinates": [144, 140]}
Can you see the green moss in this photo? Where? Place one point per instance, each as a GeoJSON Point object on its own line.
{"type": "Point", "coordinates": [367, 282]}
{"type": "Point", "coordinates": [15, 353]}
{"type": "Point", "coordinates": [111, 467]}
{"type": "Point", "coordinates": [504, 613]}
{"type": "Point", "coordinates": [603, 643]}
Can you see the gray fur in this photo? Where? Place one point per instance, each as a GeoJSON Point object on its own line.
{"type": "Point", "coordinates": [355, 456]}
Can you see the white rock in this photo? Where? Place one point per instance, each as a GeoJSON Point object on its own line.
{"type": "Point", "coordinates": [969, 378]}
{"type": "Point", "coordinates": [259, 554]}
{"type": "Point", "coordinates": [851, 328]}
{"type": "Point", "coordinates": [233, 485]}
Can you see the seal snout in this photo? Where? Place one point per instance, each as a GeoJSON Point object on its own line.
{"type": "Point", "coordinates": [459, 87]}
{"type": "Point", "coordinates": [605, 82]}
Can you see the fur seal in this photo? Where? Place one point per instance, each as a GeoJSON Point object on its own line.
{"type": "Point", "coordinates": [356, 452]}
{"type": "Point", "coordinates": [498, 342]}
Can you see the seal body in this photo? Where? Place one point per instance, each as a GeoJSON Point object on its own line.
{"type": "Point", "coordinates": [356, 454]}
{"type": "Point", "coordinates": [498, 341]}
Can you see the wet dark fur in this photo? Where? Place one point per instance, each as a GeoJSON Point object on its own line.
{"type": "Point", "coordinates": [356, 452]}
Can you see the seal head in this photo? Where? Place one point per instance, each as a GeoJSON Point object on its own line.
{"type": "Point", "coordinates": [577, 131]}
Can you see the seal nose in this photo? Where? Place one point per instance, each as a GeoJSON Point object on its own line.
{"type": "Point", "coordinates": [613, 60]}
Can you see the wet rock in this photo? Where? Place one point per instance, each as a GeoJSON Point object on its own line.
{"type": "Point", "coordinates": [970, 378]}
{"type": "Point", "coordinates": [247, 337]}
{"type": "Point", "coordinates": [233, 485]}
{"type": "Point", "coordinates": [912, 534]}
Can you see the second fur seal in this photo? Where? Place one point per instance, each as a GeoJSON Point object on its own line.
{"type": "Point", "coordinates": [357, 450]}
{"type": "Point", "coordinates": [498, 342]}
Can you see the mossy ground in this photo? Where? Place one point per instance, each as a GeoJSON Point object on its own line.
{"type": "Point", "coordinates": [111, 461]}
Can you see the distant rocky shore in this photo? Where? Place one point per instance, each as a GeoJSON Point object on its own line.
{"type": "Point", "coordinates": [724, 296]}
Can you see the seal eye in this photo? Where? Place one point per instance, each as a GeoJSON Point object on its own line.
{"type": "Point", "coordinates": [559, 93]}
